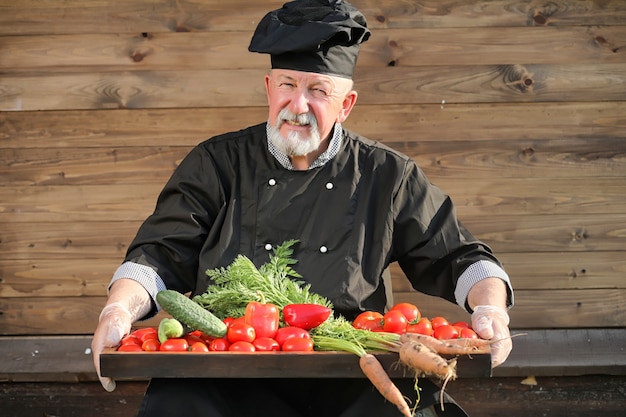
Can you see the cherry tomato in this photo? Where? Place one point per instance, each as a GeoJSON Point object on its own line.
{"type": "Point", "coordinates": [240, 332]}
{"type": "Point", "coordinates": [446, 331]}
{"type": "Point", "coordinates": [468, 333]}
{"type": "Point", "coordinates": [130, 348]}
{"type": "Point", "coordinates": [228, 321]}
{"type": "Point", "coordinates": [297, 344]}
{"type": "Point", "coordinates": [145, 332]}
{"type": "Point", "coordinates": [130, 340]}
{"type": "Point", "coordinates": [199, 347]}
{"type": "Point", "coordinates": [368, 320]}
{"type": "Point", "coordinates": [394, 321]}
{"type": "Point", "coordinates": [242, 346]}
{"type": "Point", "coordinates": [439, 321]}
{"type": "Point", "coordinates": [177, 344]}
{"type": "Point", "coordinates": [266, 344]}
{"type": "Point", "coordinates": [423, 326]}
{"type": "Point", "coordinates": [192, 338]}
{"type": "Point", "coordinates": [285, 333]}
{"type": "Point", "coordinates": [410, 311]}
{"type": "Point", "coordinates": [150, 345]}
{"type": "Point", "coordinates": [219, 344]}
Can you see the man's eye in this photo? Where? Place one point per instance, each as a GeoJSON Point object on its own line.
{"type": "Point", "coordinates": [319, 92]}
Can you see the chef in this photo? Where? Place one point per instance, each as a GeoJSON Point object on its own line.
{"type": "Point", "coordinates": [353, 204]}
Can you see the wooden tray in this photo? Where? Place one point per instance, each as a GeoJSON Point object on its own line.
{"type": "Point", "coordinates": [122, 365]}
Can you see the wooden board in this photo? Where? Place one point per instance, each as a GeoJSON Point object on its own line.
{"type": "Point", "coordinates": [120, 365]}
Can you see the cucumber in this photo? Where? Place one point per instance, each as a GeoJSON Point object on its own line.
{"type": "Point", "coordinates": [191, 313]}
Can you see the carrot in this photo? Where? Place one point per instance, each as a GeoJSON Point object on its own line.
{"type": "Point", "coordinates": [446, 347]}
{"type": "Point", "coordinates": [375, 372]}
{"type": "Point", "coordinates": [423, 359]}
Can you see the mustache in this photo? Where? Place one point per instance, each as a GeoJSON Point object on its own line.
{"type": "Point", "coordinates": [286, 115]}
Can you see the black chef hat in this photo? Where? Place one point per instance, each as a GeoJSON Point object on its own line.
{"type": "Point", "coordinates": [321, 36]}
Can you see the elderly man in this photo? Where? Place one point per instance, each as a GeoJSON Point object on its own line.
{"type": "Point", "coordinates": [355, 206]}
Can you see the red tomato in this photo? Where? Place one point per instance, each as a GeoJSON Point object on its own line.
{"type": "Point", "coordinates": [439, 321]}
{"type": "Point", "coordinates": [297, 344]}
{"type": "Point", "coordinates": [150, 345]}
{"type": "Point", "coordinates": [446, 331]}
{"type": "Point", "coordinates": [219, 344]}
{"type": "Point", "coordinates": [199, 347]}
{"type": "Point", "coordinates": [191, 338]}
{"type": "Point", "coordinates": [130, 340]}
{"type": "Point", "coordinates": [242, 346]}
{"type": "Point", "coordinates": [368, 320]}
{"type": "Point", "coordinates": [468, 333]}
{"type": "Point", "coordinates": [423, 326]}
{"type": "Point", "coordinates": [130, 348]}
{"type": "Point", "coordinates": [145, 333]}
{"type": "Point", "coordinates": [228, 321]}
{"type": "Point", "coordinates": [306, 316]}
{"type": "Point", "coordinates": [177, 344]}
{"type": "Point", "coordinates": [240, 332]}
{"type": "Point", "coordinates": [285, 333]}
{"type": "Point", "coordinates": [410, 311]}
{"type": "Point", "coordinates": [266, 344]}
{"type": "Point", "coordinates": [462, 324]}
{"type": "Point", "coordinates": [394, 321]}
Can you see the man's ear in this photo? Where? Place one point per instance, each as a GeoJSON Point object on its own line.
{"type": "Point", "coordinates": [347, 105]}
{"type": "Point", "coordinates": [267, 87]}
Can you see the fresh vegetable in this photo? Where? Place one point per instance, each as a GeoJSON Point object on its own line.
{"type": "Point", "coordinates": [410, 311]}
{"type": "Point", "coordinates": [242, 346]}
{"type": "Point", "coordinates": [375, 372]}
{"type": "Point", "coordinates": [150, 345]}
{"type": "Point", "coordinates": [446, 331]}
{"type": "Point", "coordinates": [240, 332]}
{"type": "Point", "coordinates": [190, 313]}
{"type": "Point", "coordinates": [174, 345]}
{"type": "Point", "coordinates": [266, 344]}
{"type": "Point", "coordinates": [199, 347]}
{"type": "Point", "coordinates": [169, 328]}
{"type": "Point", "coordinates": [274, 282]}
{"type": "Point", "coordinates": [297, 344]}
{"type": "Point", "coordinates": [285, 333]}
{"type": "Point", "coordinates": [443, 347]}
{"type": "Point", "coordinates": [368, 320]}
{"type": "Point", "coordinates": [394, 321]}
{"type": "Point", "coordinates": [423, 326]}
{"type": "Point", "coordinates": [130, 348]}
{"type": "Point", "coordinates": [219, 344]}
{"type": "Point", "coordinates": [425, 360]}
{"type": "Point", "coordinates": [306, 316]}
{"type": "Point", "coordinates": [263, 317]}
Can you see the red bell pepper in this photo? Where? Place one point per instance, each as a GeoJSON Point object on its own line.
{"type": "Point", "coordinates": [305, 316]}
{"type": "Point", "coordinates": [264, 317]}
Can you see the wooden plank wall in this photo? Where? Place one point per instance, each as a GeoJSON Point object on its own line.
{"type": "Point", "coordinates": [516, 108]}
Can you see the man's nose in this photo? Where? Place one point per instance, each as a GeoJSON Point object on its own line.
{"type": "Point", "coordinates": [299, 103]}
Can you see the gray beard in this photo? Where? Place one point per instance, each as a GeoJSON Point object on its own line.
{"type": "Point", "coordinates": [295, 144]}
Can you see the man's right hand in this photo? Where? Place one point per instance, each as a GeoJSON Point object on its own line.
{"type": "Point", "coordinates": [114, 323]}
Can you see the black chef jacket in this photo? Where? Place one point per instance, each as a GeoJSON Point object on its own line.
{"type": "Point", "coordinates": [367, 207]}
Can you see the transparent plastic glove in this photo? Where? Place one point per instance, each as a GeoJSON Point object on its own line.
{"type": "Point", "coordinates": [114, 323]}
{"type": "Point", "coordinates": [491, 322]}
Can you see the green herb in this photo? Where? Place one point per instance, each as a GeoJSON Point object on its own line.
{"type": "Point", "coordinates": [274, 282]}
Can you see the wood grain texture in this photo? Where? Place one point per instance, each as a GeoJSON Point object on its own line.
{"type": "Point", "coordinates": [515, 108]}
{"type": "Point", "coordinates": [598, 126]}
{"type": "Point", "coordinates": [77, 16]}
{"type": "Point", "coordinates": [184, 51]}
{"type": "Point", "coordinates": [380, 86]}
